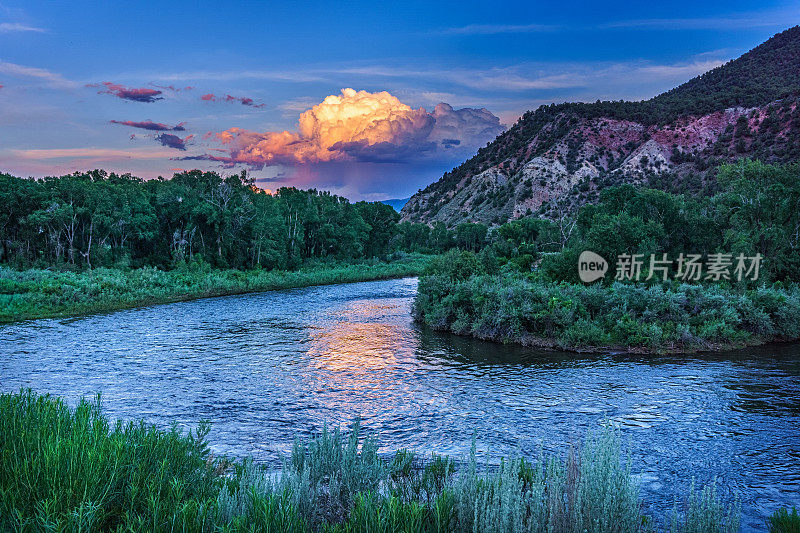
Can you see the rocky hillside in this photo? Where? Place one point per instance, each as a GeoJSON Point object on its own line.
{"type": "Point", "coordinates": [559, 156]}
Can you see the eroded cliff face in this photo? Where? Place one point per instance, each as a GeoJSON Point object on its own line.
{"type": "Point", "coordinates": [570, 158]}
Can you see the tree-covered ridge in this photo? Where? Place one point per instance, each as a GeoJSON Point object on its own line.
{"type": "Point", "coordinates": [756, 211]}
{"type": "Point", "coordinates": [766, 73]}
{"type": "Point", "coordinates": [688, 125]}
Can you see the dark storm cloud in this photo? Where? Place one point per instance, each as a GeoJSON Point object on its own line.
{"type": "Point", "coordinates": [172, 141]}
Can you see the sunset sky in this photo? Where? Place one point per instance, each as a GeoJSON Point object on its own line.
{"type": "Point", "coordinates": [372, 100]}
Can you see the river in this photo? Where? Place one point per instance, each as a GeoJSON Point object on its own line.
{"type": "Point", "coordinates": [267, 367]}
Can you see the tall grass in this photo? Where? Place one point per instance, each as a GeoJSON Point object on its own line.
{"type": "Point", "coordinates": [71, 469]}
{"type": "Point", "coordinates": [67, 469]}
{"type": "Point", "coordinates": [37, 293]}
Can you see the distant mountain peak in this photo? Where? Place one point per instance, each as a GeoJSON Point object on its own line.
{"type": "Point", "coordinates": [396, 203]}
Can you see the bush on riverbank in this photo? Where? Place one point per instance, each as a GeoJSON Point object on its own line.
{"type": "Point", "coordinates": [70, 469]}
{"type": "Point", "coordinates": [511, 307]}
{"type": "Point", "coordinates": [37, 293]}
{"type": "Point", "coordinates": [524, 285]}
{"type": "Point", "coordinates": [783, 521]}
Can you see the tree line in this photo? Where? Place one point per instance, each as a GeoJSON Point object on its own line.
{"type": "Point", "coordinates": [93, 219]}
{"type": "Point", "coordinates": [756, 210]}
{"type": "Point", "coordinates": [96, 218]}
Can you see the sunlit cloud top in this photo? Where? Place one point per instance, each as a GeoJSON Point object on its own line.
{"type": "Point", "coordinates": [363, 126]}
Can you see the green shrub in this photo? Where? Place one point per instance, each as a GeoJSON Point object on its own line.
{"type": "Point", "coordinates": [782, 521]}
{"type": "Point", "coordinates": [706, 512]}
{"type": "Point", "coordinates": [513, 307]}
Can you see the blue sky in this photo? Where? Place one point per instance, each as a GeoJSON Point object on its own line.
{"type": "Point", "coordinates": [278, 60]}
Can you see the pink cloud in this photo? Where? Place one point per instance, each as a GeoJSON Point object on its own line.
{"type": "Point", "coordinates": [244, 100]}
{"type": "Point", "coordinates": [142, 94]}
{"type": "Point", "coordinates": [98, 154]}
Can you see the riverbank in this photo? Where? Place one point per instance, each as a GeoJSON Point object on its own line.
{"type": "Point", "coordinates": [514, 308]}
{"type": "Point", "coordinates": [37, 293]}
{"type": "Point", "coordinates": [73, 469]}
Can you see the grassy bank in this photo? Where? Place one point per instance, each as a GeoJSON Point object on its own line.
{"type": "Point", "coordinates": [73, 470]}
{"type": "Point", "coordinates": [516, 308]}
{"type": "Point", "coordinates": [35, 293]}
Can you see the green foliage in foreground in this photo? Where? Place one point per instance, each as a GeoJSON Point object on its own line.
{"type": "Point", "coordinates": [71, 470]}
{"type": "Point", "coordinates": [782, 521]}
{"type": "Point", "coordinates": [511, 307]}
{"type": "Point", "coordinates": [44, 293]}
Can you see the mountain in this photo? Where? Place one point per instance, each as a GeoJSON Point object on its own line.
{"type": "Point", "coordinates": [561, 155]}
{"type": "Point", "coordinates": [396, 203]}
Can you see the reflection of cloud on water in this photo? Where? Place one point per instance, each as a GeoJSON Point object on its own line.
{"type": "Point", "coordinates": [354, 346]}
{"type": "Point", "coordinates": [357, 358]}
{"type": "Point", "coordinates": [357, 341]}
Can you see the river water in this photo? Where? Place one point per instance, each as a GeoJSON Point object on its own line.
{"type": "Point", "coordinates": [267, 367]}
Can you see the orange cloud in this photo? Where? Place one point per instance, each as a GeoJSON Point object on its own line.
{"type": "Point", "coordinates": [351, 126]}
{"type": "Point", "coordinates": [360, 126]}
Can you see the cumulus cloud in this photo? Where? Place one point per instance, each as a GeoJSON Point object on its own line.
{"type": "Point", "coordinates": [244, 100]}
{"type": "Point", "coordinates": [142, 94]}
{"type": "Point", "coordinates": [467, 126]}
{"type": "Point", "coordinates": [362, 126]}
{"type": "Point", "coordinates": [150, 125]}
{"type": "Point", "coordinates": [173, 141]}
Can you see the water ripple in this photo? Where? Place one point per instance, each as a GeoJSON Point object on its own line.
{"type": "Point", "coordinates": [264, 368]}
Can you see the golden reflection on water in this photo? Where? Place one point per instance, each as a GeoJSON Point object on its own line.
{"type": "Point", "coordinates": [356, 340]}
